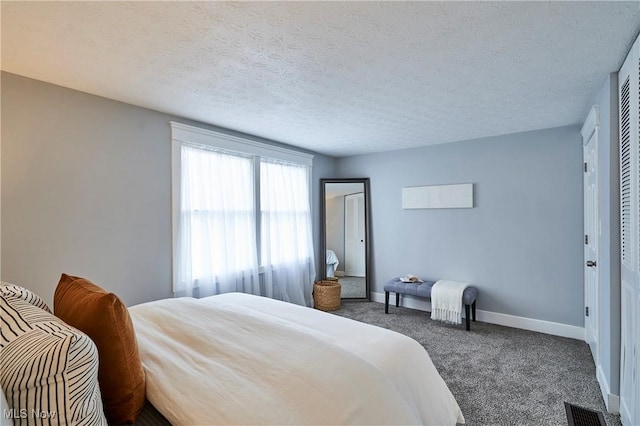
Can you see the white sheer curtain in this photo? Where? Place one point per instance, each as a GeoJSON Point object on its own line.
{"type": "Point", "coordinates": [216, 250]}
{"type": "Point", "coordinates": [286, 232]}
{"type": "Point", "coordinates": [217, 243]}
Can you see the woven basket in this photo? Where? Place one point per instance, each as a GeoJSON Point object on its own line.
{"type": "Point", "coordinates": [326, 295]}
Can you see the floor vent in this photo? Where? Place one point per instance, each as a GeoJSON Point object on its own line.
{"type": "Point", "coordinates": [580, 416]}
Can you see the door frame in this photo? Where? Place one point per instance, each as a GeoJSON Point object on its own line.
{"type": "Point", "coordinates": [590, 133]}
{"type": "Point", "coordinates": [359, 226]}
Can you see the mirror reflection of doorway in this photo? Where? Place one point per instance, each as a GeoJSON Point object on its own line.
{"type": "Point", "coordinates": [354, 235]}
{"type": "Point", "coordinates": [345, 237]}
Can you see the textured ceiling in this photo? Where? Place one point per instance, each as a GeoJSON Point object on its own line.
{"type": "Point", "coordinates": [339, 78]}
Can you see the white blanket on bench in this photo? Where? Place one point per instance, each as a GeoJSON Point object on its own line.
{"type": "Point", "coordinates": [446, 301]}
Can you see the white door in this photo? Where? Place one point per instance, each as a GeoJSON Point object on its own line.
{"type": "Point", "coordinates": [354, 235]}
{"type": "Point", "coordinates": [629, 110]}
{"type": "Point", "coordinates": [591, 231]}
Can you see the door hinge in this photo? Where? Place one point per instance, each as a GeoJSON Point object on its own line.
{"type": "Point", "coordinates": [585, 168]}
{"type": "Point", "coordinates": [586, 311]}
{"type": "Point", "coordinates": [586, 239]}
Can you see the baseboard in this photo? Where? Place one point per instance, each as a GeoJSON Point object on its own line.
{"type": "Point", "coordinates": [612, 402]}
{"type": "Point", "coordinates": [547, 327]}
{"type": "Point", "coordinates": [625, 413]}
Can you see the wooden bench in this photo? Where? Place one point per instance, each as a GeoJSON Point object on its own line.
{"type": "Point", "coordinates": [423, 289]}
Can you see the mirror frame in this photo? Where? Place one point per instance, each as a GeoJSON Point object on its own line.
{"type": "Point", "coordinates": [367, 230]}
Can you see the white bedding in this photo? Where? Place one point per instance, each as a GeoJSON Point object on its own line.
{"type": "Point", "coordinates": [332, 263]}
{"type": "Point", "coordinates": [242, 359]}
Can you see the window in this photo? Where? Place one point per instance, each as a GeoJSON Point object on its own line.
{"type": "Point", "coordinates": [285, 215]}
{"type": "Point", "coordinates": [241, 217]}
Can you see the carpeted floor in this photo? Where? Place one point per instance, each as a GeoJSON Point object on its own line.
{"type": "Point", "coordinates": [498, 375]}
{"type": "Point", "coordinates": [353, 287]}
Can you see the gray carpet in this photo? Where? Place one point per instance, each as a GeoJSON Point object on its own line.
{"type": "Point", "coordinates": [498, 375]}
{"type": "Point", "coordinates": [353, 287]}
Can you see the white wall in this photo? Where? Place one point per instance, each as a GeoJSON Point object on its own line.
{"type": "Point", "coordinates": [335, 227]}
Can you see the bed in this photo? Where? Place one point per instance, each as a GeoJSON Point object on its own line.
{"type": "Point", "coordinates": [332, 263]}
{"type": "Point", "coordinates": [241, 359]}
{"type": "Point", "coordinates": [226, 359]}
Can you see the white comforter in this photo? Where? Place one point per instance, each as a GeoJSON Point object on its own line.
{"type": "Point", "coordinates": [242, 359]}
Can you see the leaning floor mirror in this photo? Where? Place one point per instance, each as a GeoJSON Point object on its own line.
{"type": "Point", "coordinates": [345, 234]}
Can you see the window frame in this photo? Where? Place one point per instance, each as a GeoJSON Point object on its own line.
{"type": "Point", "coordinates": [183, 134]}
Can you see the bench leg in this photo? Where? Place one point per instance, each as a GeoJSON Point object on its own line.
{"type": "Point", "coordinates": [397, 299]}
{"type": "Point", "coordinates": [473, 311]}
{"type": "Point", "coordinates": [386, 302]}
{"type": "Point", "coordinates": [467, 313]}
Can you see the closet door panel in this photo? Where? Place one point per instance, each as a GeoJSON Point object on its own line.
{"type": "Point", "coordinates": [629, 108]}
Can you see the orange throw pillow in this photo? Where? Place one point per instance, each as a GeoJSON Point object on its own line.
{"type": "Point", "coordinates": [105, 319]}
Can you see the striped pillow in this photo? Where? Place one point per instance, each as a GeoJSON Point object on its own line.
{"type": "Point", "coordinates": [8, 289]}
{"type": "Point", "coordinates": [48, 370]}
